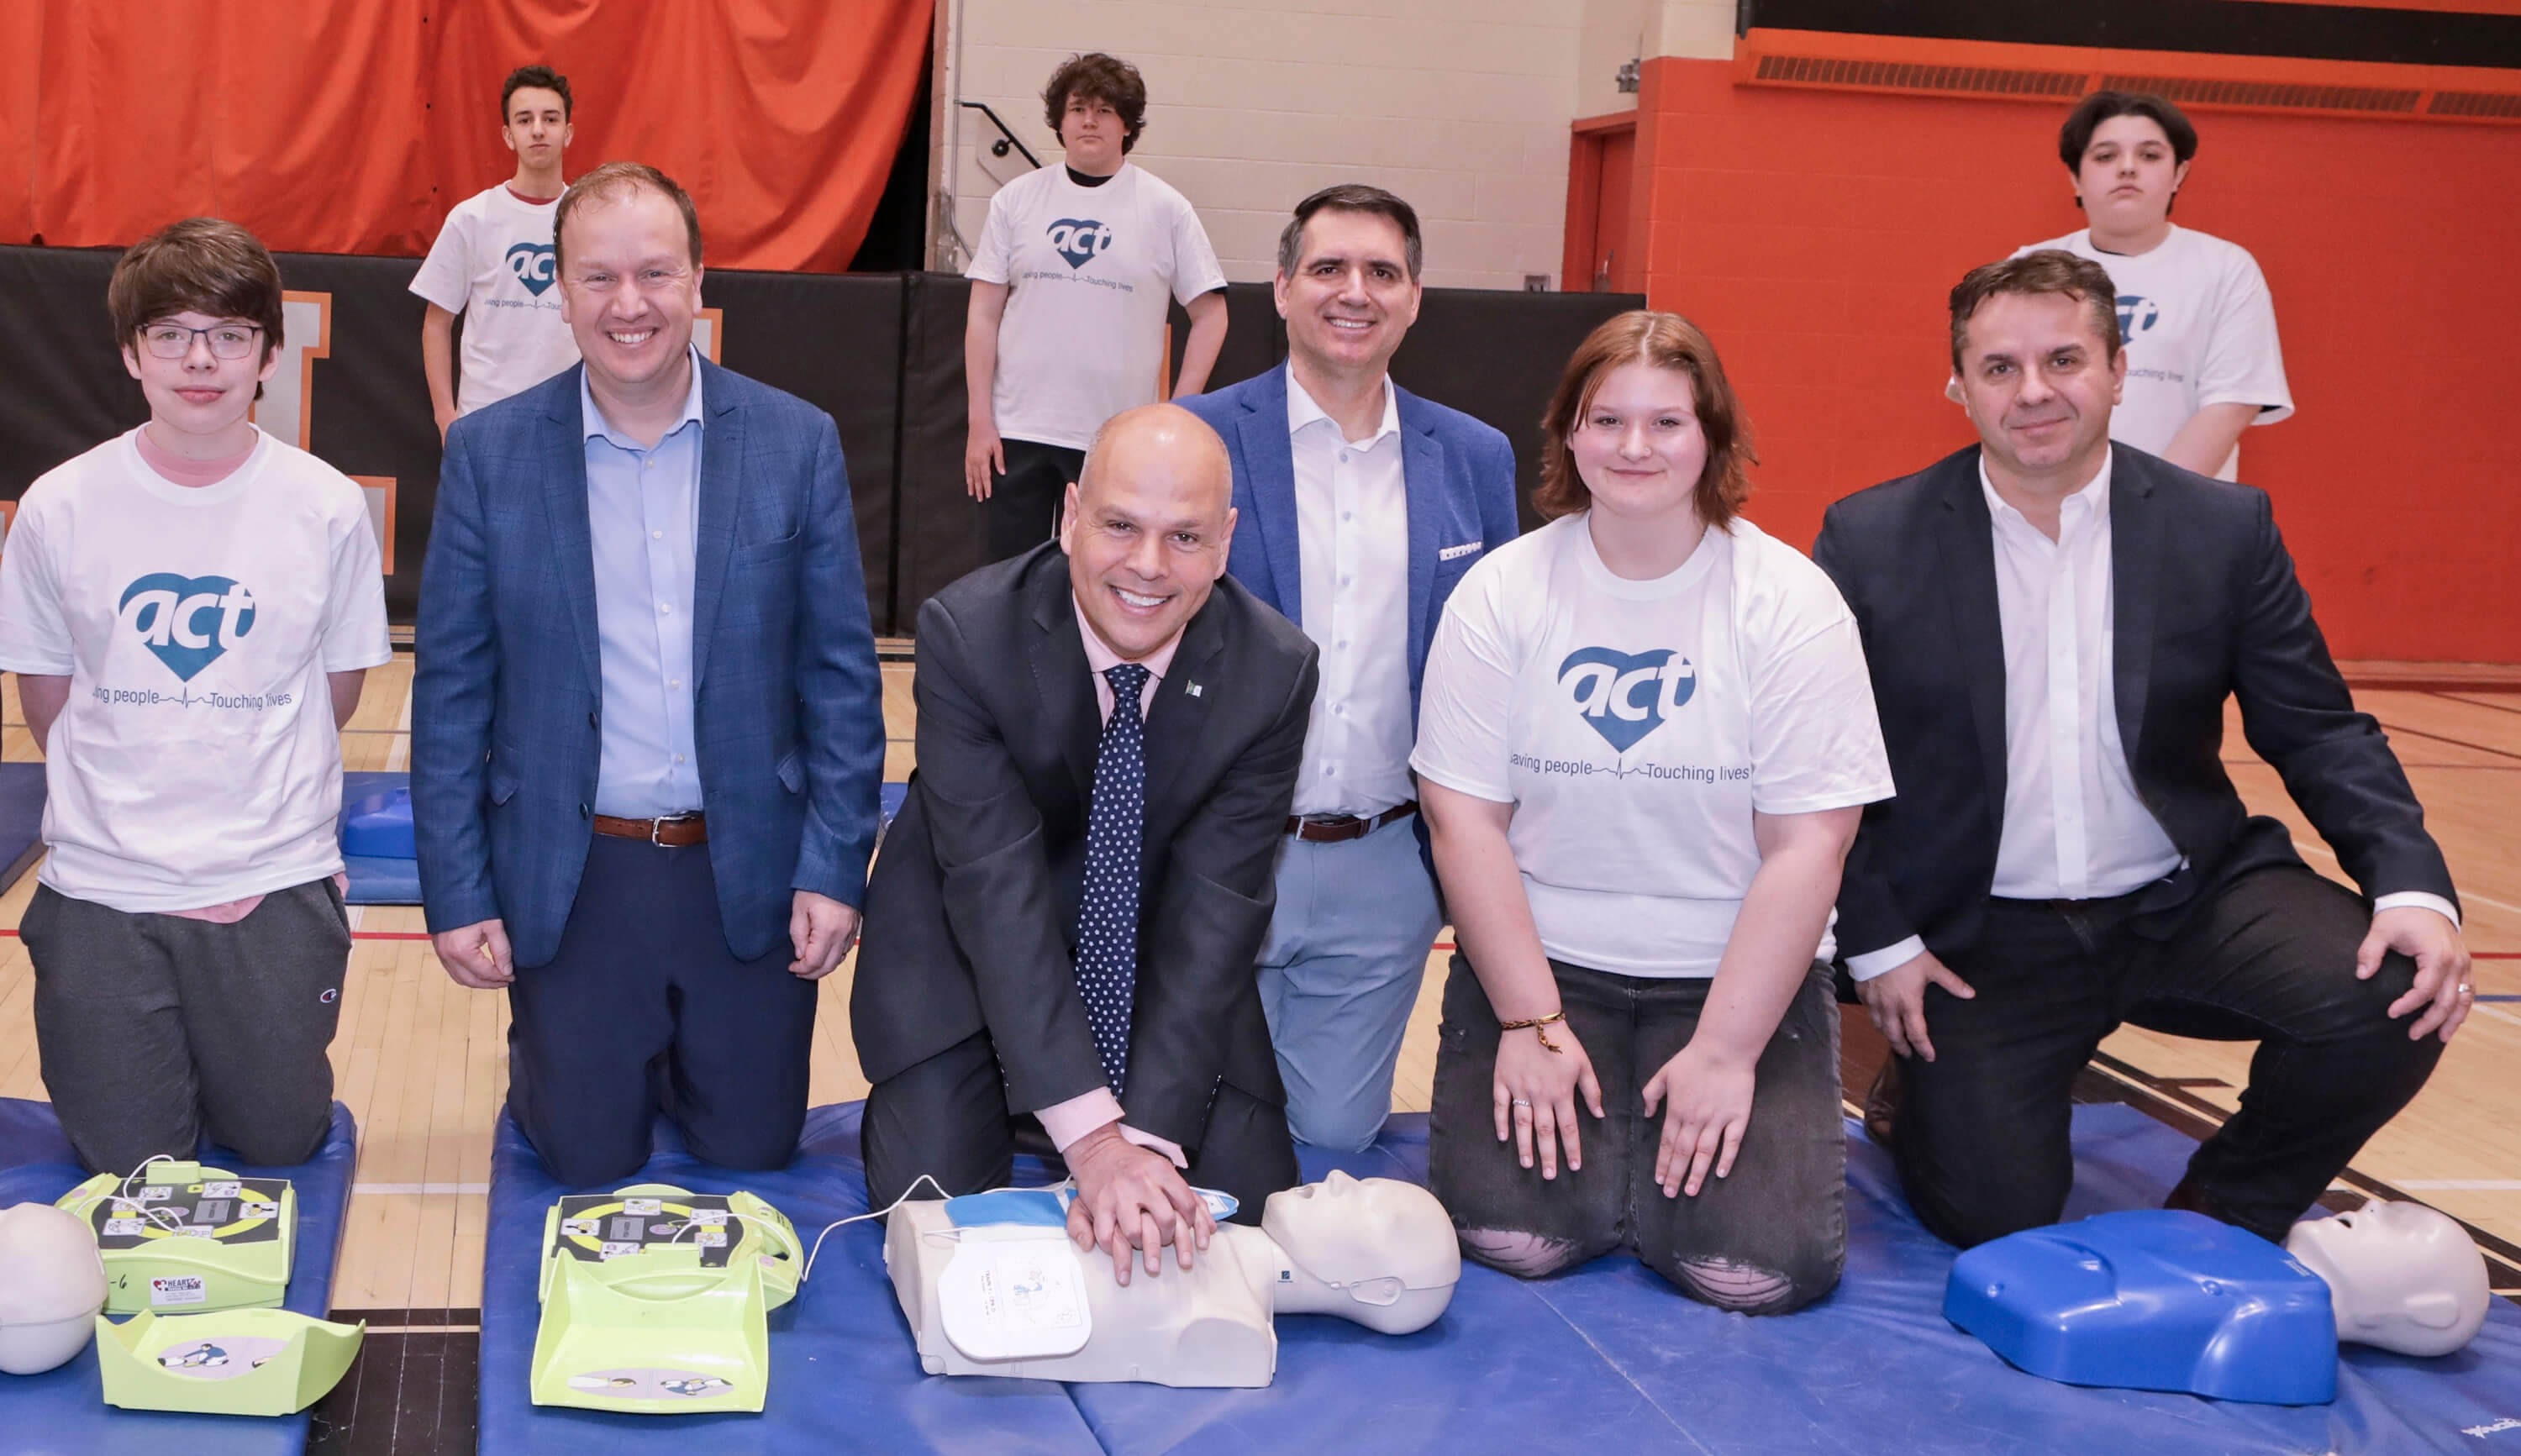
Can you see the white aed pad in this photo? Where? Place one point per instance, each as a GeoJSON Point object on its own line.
{"type": "Point", "coordinates": [1014, 1294]}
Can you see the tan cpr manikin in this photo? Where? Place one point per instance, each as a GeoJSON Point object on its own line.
{"type": "Point", "coordinates": [1374, 1250]}
{"type": "Point", "coordinates": [2401, 1276]}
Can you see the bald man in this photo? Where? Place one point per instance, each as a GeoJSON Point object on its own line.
{"type": "Point", "coordinates": [1063, 923]}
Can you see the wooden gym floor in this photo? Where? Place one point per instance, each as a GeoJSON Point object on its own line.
{"type": "Point", "coordinates": [420, 1061]}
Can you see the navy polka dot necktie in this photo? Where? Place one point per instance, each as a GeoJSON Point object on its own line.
{"type": "Point", "coordinates": [1107, 919]}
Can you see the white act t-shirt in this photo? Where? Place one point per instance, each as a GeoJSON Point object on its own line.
{"type": "Point", "coordinates": [1089, 270]}
{"type": "Point", "coordinates": [2200, 330]}
{"type": "Point", "coordinates": [493, 264]}
{"type": "Point", "coordinates": [1637, 725]}
{"type": "Point", "coordinates": [196, 761]}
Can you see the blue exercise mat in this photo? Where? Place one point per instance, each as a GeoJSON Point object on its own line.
{"type": "Point", "coordinates": [64, 1410]}
{"type": "Point", "coordinates": [22, 819]}
{"type": "Point", "coordinates": [1606, 1359]}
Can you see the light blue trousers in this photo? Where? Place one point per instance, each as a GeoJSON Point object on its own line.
{"type": "Point", "coordinates": [1339, 975]}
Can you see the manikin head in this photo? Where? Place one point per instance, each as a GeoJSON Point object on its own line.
{"type": "Point", "coordinates": [52, 1284]}
{"type": "Point", "coordinates": [2401, 1276]}
{"type": "Point", "coordinates": [1375, 1250]}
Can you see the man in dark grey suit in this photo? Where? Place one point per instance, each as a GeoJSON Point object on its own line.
{"type": "Point", "coordinates": [2053, 627]}
{"type": "Point", "coordinates": [1063, 923]}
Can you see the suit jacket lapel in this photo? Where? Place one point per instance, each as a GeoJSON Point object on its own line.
{"type": "Point", "coordinates": [573, 536]}
{"type": "Point", "coordinates": [2135, 555]}
{"type": "Point", "coordinates": [1966, 540]}
{"type": "Point", "coordinates": [1174, 725]}
{"type": "Point", "coordinates": [1061, 675]}
{"type": "Point", "coordinates": [1270, 459]}
{"type": "Point", "coordinates": [1422, 465]}
{"type": "Point", "coordinates": [720, 485]}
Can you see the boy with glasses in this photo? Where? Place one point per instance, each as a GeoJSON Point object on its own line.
{"type": "Point", "coordinates": [494, 262]}
{"type": "Point", "coordinates": [190, 609]}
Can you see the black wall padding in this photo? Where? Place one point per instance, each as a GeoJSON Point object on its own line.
{"type": "Point", "coordinates": [881, 352]}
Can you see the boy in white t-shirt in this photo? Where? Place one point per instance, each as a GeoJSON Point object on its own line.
{"type": "Point", "coordinates": [191, 607]}
{"type": "Point", "coordinates": [1069, 290]}
{"type": "Point", "coordinates": [2203, 361]}
{"type": "Point", "coordinates": [493, 264]}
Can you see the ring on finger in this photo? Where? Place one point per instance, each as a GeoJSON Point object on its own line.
{"type": "Point", "coordinates": [1523, 1103]}
{"type": "Point", "coordinates": [2466, 989]}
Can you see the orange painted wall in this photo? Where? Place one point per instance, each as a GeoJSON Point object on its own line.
{"type": "Point", "coordinates": [1814, 234]}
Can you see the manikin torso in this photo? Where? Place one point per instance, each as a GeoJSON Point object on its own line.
{"type": "Point", "coordinates": [1377, 1251]}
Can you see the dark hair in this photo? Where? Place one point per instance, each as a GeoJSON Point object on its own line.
{"type": "Point", "coordinates": [611, 180]}
{"type": "Point", "coordinates": [542, 77]}
{"type": "Point", "coordinates": [1665, 341]}
{"type": "Point", "coordinates": [1096, 77]}
{"type": "Point", "coordinates": [200, 265]}
{"type": "Point", "coordinates": [2050, 270]}
{"type": "Point", "coordinates": [2075, 138]}
{"type": "Point", "coordinates": [1352, 197]}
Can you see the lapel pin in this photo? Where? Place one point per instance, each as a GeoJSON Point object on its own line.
{"type": "Point", "coordinates": [1192, 690]}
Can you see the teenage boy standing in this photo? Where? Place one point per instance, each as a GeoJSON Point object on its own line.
{"type": "Point", "coordinates": [494, 262]}
{"type": "Point", "coordinates": [191, 607]}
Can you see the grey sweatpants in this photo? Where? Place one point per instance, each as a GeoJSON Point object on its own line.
{"type": "Point", "coordinates": [154, 1028]}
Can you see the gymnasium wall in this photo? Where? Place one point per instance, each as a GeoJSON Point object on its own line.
{"type": "Point", "coordinates": [1459, 106]}
{"type": "Point", "coordinates": [351, 126]}
{"type": "Point", "coordinates": [1814, 235]}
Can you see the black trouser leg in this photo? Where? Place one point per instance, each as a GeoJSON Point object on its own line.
{"type": "Point", "coordinates": [2272, 958]}
{"type": "Point", "coordinates": [1024, 503]}
{"type": "Point", "coordinates": [945, 1117]}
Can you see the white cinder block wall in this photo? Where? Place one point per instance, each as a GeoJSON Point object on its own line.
{"type": "Point", "coordinates": [1459, 106]}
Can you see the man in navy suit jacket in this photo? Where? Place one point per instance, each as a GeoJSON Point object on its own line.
{"type": "Point", "coordinates": [2054, 625]}
{"type": "Point", "coordinates": [646, 728]}
{"type": "Point", "coordinates": [1363, 505]}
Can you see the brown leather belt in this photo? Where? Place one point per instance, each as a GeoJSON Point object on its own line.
{"type": "Point", "coordinates": [672, 832]}
{"type": "Point", "coordinates": [1332, 828]}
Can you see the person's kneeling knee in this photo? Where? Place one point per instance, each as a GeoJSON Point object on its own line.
{"type": "Point", "coordinates": [1746, 1286]}
{"type": "Point", "coordinates": [1519, 1252]}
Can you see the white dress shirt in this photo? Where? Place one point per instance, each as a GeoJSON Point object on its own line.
{"type": "Point", "coordinates": [1352, 535]}
{"type": "Point", "coordinates": [2074, 828]}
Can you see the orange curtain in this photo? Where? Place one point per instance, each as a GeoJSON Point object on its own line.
{"type": "Point", "coordinates": [353, 126]}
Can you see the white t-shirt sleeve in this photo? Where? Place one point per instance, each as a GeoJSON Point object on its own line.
{"type": "Point", "coordinates": [445, 276]}
{"type": "Point", "coordinates": [1816, 741]}
{"type": "Point", "coordinates": [1467, 701]}
{"type": "Point", "coordinates": [994, 261]}
{"type": "Point", "coordinates": [35, 637]}
{"type": "Point", "coordinates": [355, 638]}
{"type": "Point", "coordinates": [1195, 267]}
{"type": "Point", "coordinates": [2243, 362]}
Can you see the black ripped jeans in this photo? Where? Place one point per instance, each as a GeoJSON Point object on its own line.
{"type": "Point", "coordinates": [1768, 1239]}
{"type": "Point", "coordinates": [1981, 1135]}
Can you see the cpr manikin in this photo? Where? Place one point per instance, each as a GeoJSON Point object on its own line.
{"type": "Point", "coordinates": [52, 1284]}
{"type": "Point", "coordinates": [1373, 1251]}
{"type": "Point", "coordinates": [2401, 1276]}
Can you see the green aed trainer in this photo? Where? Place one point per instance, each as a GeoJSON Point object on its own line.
{"type": "Point", "coordinates": [237, 1362]}
{"type": "Point", "coordinates": [656, 1300]}
{"type": "Point", "coordinates": [179, 1237]}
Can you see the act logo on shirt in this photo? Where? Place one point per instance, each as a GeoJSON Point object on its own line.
{"type": "Point", "coordinates": [188, 621]}
{"type": "Point", "coordinates": [2136, 314]}
{"type": "Point", "coordinates": [533, 264]}
{"type": "Point", "coordinates": [1626, 695]}
{"type": "Point", "coordinates": [1079, 239]}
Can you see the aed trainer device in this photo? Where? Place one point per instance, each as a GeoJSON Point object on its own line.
{"type": "Point", "coordinates": [179, 1238]}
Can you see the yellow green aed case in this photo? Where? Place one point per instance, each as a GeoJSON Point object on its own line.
{"type": "Point", "coordinates": [656, 1300]}
{"type": "Point", "coordinates": [179, 1238]}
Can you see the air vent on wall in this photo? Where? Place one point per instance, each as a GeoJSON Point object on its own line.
{"type": "Point", "coordinates": [1833, 62]}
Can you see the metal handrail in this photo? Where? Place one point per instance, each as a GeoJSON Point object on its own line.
{"type": "Point", "coordinates": [1006, 134]}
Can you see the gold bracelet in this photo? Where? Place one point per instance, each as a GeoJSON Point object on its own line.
{"type": "Point", "coordinates": [1535, 1025]}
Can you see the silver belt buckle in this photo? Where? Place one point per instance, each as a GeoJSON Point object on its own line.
{"type": "Point", "coordinates": [657, 827]}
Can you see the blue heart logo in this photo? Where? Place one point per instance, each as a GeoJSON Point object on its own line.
{"type": "Point", "coordinates": [533, 264]}
{"type": "Point", "coordinates": [2137, 314]}
{"type": "Point", "coordinates": [1626, 695]}
{"type": "Point", "coordinates": [1079, 239]}
{"type": "Point", "coordinates": [188, 621]}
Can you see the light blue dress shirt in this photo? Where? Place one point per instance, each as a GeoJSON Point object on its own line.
{"type": "Point", "coordinates": [643, 507]}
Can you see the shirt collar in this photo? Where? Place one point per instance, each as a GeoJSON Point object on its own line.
{"type": "Point", "coordinates": [1102, 658]}
{"type": "Point", "coordinates": [593, 422]}
{"type": "Point", "coordinates": [2093, 500]}
{"type": "Point", "coordinates": [1303, 411]}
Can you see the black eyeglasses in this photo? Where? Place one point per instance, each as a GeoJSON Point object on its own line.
{"type": "Point", "coordinates": [174, 341]}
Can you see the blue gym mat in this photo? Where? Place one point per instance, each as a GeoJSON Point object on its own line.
{"type": "Point", "coordinates": [63, 1410]}
{"type": "Point", "coordinates": [374, 880]}
{"type": "Point", "coordinates": [1608, 1358]}
{"type": "Point", "coordinates": [22, 819]}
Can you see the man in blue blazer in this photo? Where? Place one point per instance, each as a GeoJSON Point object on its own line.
{"type": "Point", "coordinates": [1363, 505]}
{"type": "Point", "coordinates": [646, 728]}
